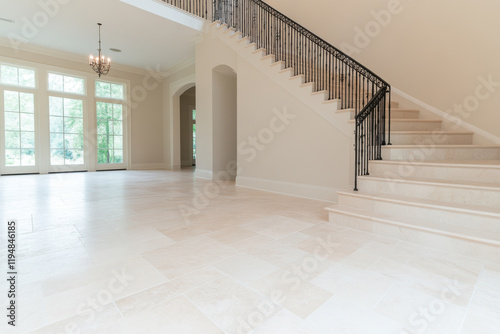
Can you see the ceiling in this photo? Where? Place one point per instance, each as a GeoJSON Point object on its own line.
{"type": "Point", "coordinates": [144, 38]}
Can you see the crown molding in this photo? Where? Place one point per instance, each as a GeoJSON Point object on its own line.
{"type": "Point", "coordinates": [33, 48]}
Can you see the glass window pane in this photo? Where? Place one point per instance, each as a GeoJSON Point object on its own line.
{"type": "Point", "coordinates": [28, 157]}
{"type": "Point", "coordinates": [117, 112]}
{"type": "Point", "coordinates": [73, 108]}
{"type": "Point", "coordinates": [118, 142]}
{"type": "Point", "coordinates": [102, 89]}
{"type": "Point", "coordinates": [11, 121]}
{"type": "Point", "coordinates": [12, 157]}
{"type": "Point", "coordinates": [73, 125]}
{"type": "Point", "coordinates": [73, 85]}
{"type": "Point", "coordinates": [117, 128]}
{"type": "Point", "coordinates": [104, 110]}
{"type": "Point", "coordinates": [102, 127]}
{"type": "Point", "coordinates": [103, 157]}
{"type": "Point", "coordinates": [57, 157]}
{"type": "Point", "coordinates": [27, 102]}
{"type": "Point", "coordinates": [26, 77]}
{"type": "Point", "coordinates": [56, 140]}
{"type": "Point", "coordinates": [73, 141]}
{"type": "Point", "coordinates": [9, 75]}
{"type": "Point", "coordinates": [118, 156]}
{"type": "Point", "coordinates": [11, 101]}
{"type": "Point", "coordinates": [117, 91]}
{"type": "Point", "coordinates": [56, 82]}
{"type": "Point", "coordinates": [12, 139]}
{"type": "Point", "coordinates": [56, 124]}
{"type": "Point", "coordinates": [27, 122]}
{"type": "Point", "coordinates": [28, 140]}
{"type": "Point", "coordinates": [55, 106]}
{"type": "Point", "coordinates": [73, 157]}
{"type": "Point", "coordinates": [103, 141]}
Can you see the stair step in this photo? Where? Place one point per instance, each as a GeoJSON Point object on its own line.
{"type": "Point", "coordinates": [419, 231]}
{"type": "Point", "coordinates": [430, 137]}
{"type": "Point", "coordinates": [440, 152]}
{"type": "Point", "coordinates": [469, 193]}
{"type": "Point", "coordinates": [395, 113]}
{"type": "Point", "coordinates": [468, 171]}
{"type": "Point", "coordinates": [469, 217]}
{"type": "Point", "coordinates": [413, 124]}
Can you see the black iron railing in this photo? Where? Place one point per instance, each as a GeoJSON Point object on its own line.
{"type": "Point", "coordinates": [196, 7]}
{"type": "Point", "coordinates": [329, 69]}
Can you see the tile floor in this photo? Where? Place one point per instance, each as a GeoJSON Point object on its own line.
{"type": "Point", "coordinates": [161, 252]}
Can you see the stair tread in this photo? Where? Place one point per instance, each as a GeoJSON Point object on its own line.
{"type": "Point", "coordinates": [449, 206]}
{"type": "Point", "coordinates": [445, 163]}
{"type": "Point", "coordinates": [463, 184]}
{"type": "Point", "coordinates": [416, 132]}
{"type": "Point", "coordinates": [425, 225]}
{"type": "Point", "coordinates": [440, 146]}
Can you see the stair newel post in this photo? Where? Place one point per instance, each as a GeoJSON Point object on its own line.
{"type": "Point", "coordinates": [389, 125]}
{"type": "Point", "coordinates": [356, 160]}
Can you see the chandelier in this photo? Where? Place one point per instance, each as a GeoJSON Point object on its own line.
{"type": "Point", "coordinates": [100, 64]}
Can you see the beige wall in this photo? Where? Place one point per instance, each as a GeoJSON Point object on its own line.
{"type": "Point", "coordinates": [435, 51]}
{"type": "Point", "coordinates": [282, 144]}
{"type": "Point", "coordinates": [145, 103]}
{"type": "Point", "coordinates": [224, 111]}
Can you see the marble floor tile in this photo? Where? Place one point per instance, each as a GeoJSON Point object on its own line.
{"type": "Point", "coordinates": [111, 252]}
{"type": "Point", "coordinates": [232, 306]}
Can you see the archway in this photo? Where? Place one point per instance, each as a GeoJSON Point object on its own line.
{"type": "Point", "coordinates": [188, 128]}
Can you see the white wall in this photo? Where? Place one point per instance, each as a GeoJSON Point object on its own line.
{"type": "Point", "coordinates": [436, 51]}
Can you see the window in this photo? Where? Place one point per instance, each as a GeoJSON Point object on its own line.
{"type": "Point", "coordinates": [110, 114]}
{"type": "Point", "coordinates": [66, 84]}
{"type": "Point", "coordinates": [109, 133]}
{"type": "Point", "coordinates": [17, 76]}
{"type": "Point", "coordinates": [19, 128]}
{"type": "Point", "coordinates": [109, 90]}
{"type": "Point", "coordinates": [66, 131]}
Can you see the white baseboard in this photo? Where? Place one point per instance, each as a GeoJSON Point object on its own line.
{"type": "Point", "coordinates": [153, 166]}
{"type": "Point", "coordinates": [203, 174]}
{"type": "Point", "coordinates": [289, 188]}
{"type": "Point", "coordinates": [446, 116]}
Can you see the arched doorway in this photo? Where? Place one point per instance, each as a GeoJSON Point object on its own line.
{"type": "Point", "coordinates": [188, 128]}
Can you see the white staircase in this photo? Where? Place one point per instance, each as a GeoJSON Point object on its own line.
{"type": "Point", "coordinates": [433, 187]}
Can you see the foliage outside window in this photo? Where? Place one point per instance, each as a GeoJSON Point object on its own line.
{"type": "Point", "coordinates": [19, 126]}
{"type": "Point", "coordinates": [17, 76]}
{"type": "Point", "coordinates": [109, 133]}
{"type": "Point", "coordinates": [66, 131]}
{"type": "Point", "coordinates": [66, 84]}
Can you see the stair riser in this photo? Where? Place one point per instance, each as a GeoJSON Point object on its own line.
{"type": "Point", "coordinates": [407, 114]}
{"type": "Point", "coordinates": [458, 221]}
{"type": "Point", "coordinates": [472, 196]}
{"type": "Point", "coordinates": [416, 139]}
{"type": "Point", "coordinates": [436, 173]}
{"type": "Point", "coordinates": [404, 114]}
{"type": "Point", "coordinates": [415, 126]}
{"type": "Point", "coordinates": [439, 153]}
{"type": "Point", "coordinates": [483, 251]}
